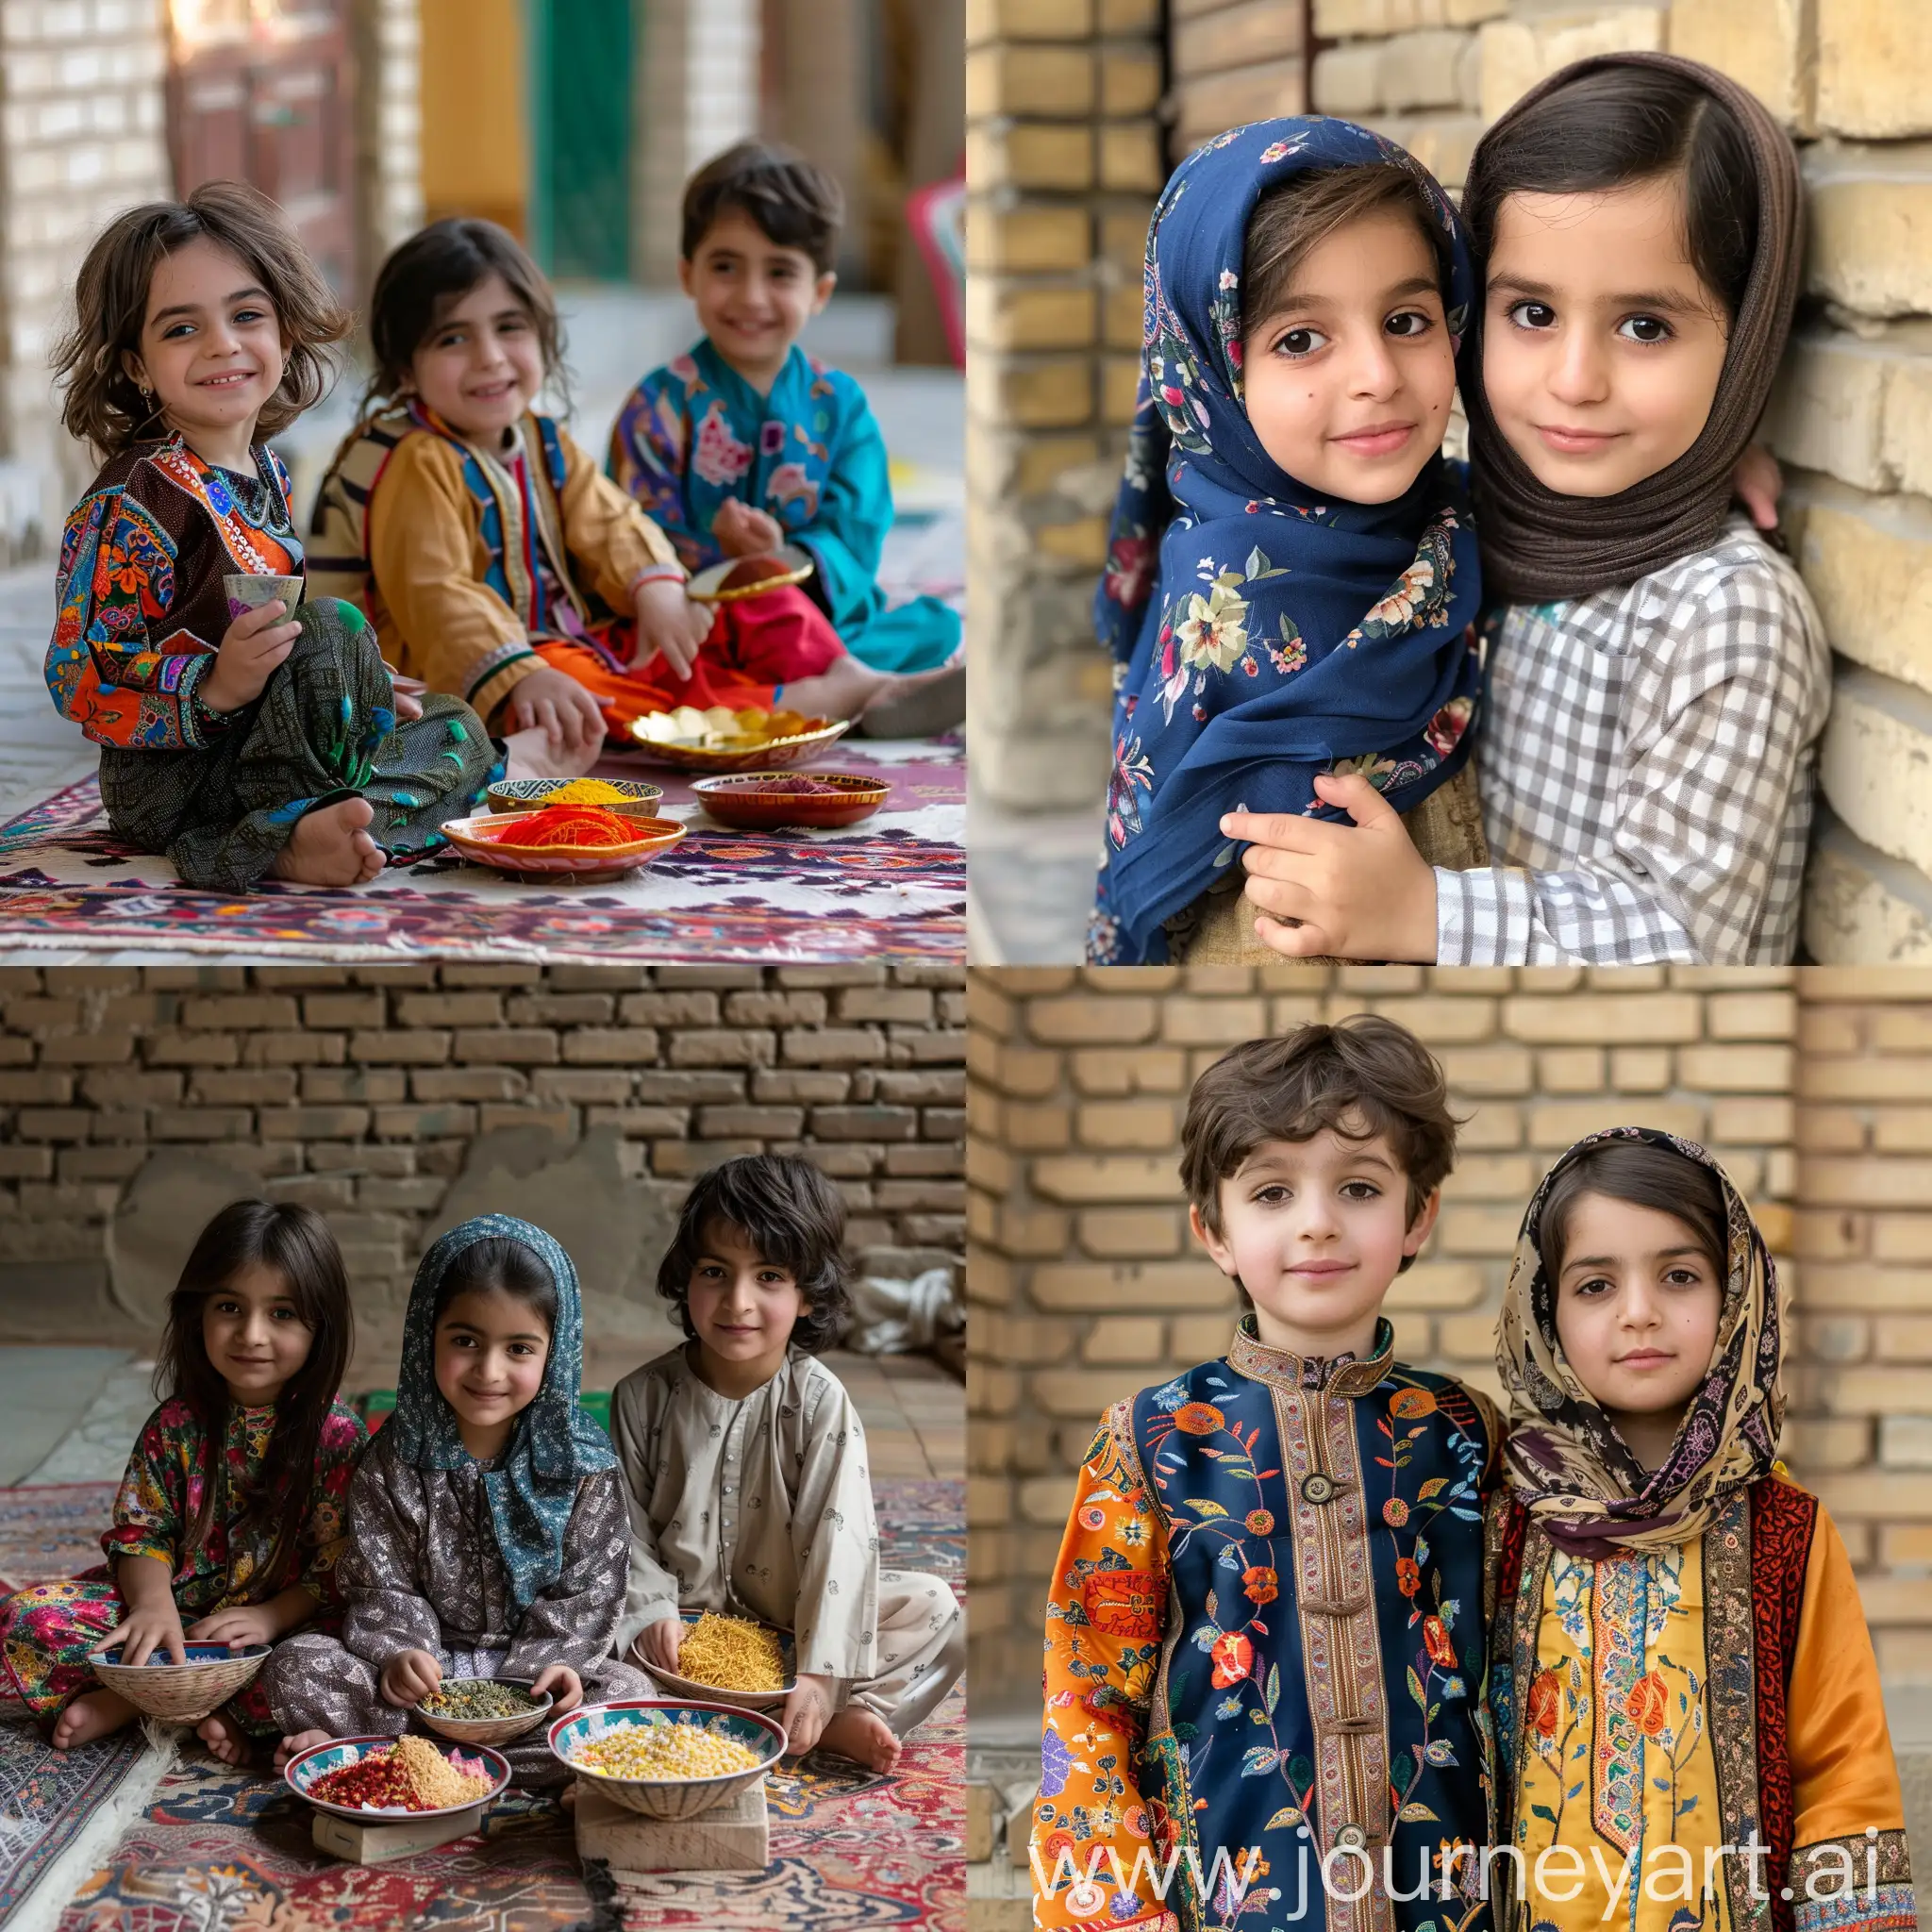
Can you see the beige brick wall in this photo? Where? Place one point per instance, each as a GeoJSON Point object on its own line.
{"type": "Point", "coordinates": [386, 36]}
{"type": "Point", "coordinates": [1086, 1285]}
{"type": "Point", "coordinates": [370, 1092]}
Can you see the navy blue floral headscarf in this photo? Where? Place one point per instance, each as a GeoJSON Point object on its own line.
{"type": "Point", "coordinates": [1262, 635]}
{"type": "Point", "coordinates": [554, 1445]}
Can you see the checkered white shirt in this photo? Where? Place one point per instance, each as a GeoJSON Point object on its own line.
{"type": "Point", "coordinates": [1646, 769]}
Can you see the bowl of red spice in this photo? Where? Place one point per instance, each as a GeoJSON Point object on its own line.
{"type": "Point", "coordinates": [769, 801]}
{"type": "Point", "coordinates": [372, 1779]}
{"type": "Point", "coordinates": [585, 844]}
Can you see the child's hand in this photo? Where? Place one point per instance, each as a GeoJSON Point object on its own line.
{"type": "Point", "coordinates": [657, 1644]}
{"type": "Point", "coordinates": [405, 693]}
{"type": "Point", "coordinates": [238, 1628]}
{"type": "Point", "coordinates": [738, 530]}
{"type": "Point", "coordinates": [143, 1631]}
{"type": "Point", "coordinates": [1361, 892]}
{"type": "Point", "coordinates": [406, 1680]}
{"type": "Point", "coordinates": [569, 715]}
{"type": "Point", "coordinates": [806, 1714]}
{"type": "Point", "coordinates": [562, 1683]}
{"type": "Point", "coordinates": [251, 648]}
{"type": "Point", "coordinates": [670, 625]}
{"type": "Point", "coordinates": [1757, 483]}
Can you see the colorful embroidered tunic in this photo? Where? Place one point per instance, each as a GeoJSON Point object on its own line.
{"type": "Point", "coordinates": [1263, 1640]}
{"type": "Point", "coordinates": [47, 1631]}
{"type": "Point", "coordinates": [694, 434]}
{"type": "Point", "coordinates": [1655, 1705]}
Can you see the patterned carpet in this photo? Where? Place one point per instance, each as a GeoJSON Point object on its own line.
{"type": "Point", "coordinates": [892, 887]}
{"type": "Point", "coordinates": [51, 1531]}
{"type": "Point", "coordinates": [225, 1851]}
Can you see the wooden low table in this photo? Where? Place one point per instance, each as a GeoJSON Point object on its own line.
{"type": "Point", "coordinates": [731, 1836]}
{"type": "Point", "coordinates": [379, 1840]}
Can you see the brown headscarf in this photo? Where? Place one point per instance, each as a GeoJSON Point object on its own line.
{"type": "Point", "coordinates": [1538, 546]}
{"type": "Point", "coordinates": [1566, 1462]}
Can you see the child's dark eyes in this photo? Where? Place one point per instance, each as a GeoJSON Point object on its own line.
{"type": "Point", "coordinates": [1644, 329]}
{"type": "Point", "coordinates": [1296, 342]}
{"type": "Point", "coordinates": [1532, 315]}
{"type": "Point", "coordinates": [1413, 323]}
{"type": "Point", "coordinates": [1361, 1191]}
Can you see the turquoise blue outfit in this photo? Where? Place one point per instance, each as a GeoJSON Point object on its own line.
{"type": "Point", "coordinates": [694, 434]}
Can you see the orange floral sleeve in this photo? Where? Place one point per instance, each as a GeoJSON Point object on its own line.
{"type": "Point", "coordinates": [1105, 1621]}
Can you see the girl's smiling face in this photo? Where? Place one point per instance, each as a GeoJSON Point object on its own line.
{"type": "Point", "coordinates": [1637, 1309]}
{"type": "Point", "coordinates": [255, 1335]}
{"type": "Point", "coordinates": [1348, 379]}
{"type": "Point", "coordinates": [211, 346]}
{"type": "Point", "coordinates": [481, 367]}
{"type": "Point", "coordinates": [1602, 345]}
{"type": "Point", "coordinates": [491, 1349]}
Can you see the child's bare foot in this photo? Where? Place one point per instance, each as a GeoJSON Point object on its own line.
{"type": "Point", "coordinates": [294, 1746]}
{"type": "Point", "coordinates": [842, 690]}
{"type": "Point", "coordinates": [930, 701]}
{"type": "Point", "coordinates": [226, 1738]}
{"type": "Point", "coordinates": [93, 1714]}
{"type": "Point", "coordinates": [532, 755]}
{"type": "Point", "coordinates": [862, 1736]}
{"type": "Point", "coordinates": [331, 847]}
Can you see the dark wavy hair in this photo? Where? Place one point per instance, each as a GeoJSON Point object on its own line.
{"type": "Point", "coordinates": [792, 1214]}
{"type": "Point", "coordinates": [296, 1244]}
{"type": "Point", "coordinates": [500, 1266]}
{"type": "Point", "coordinates": [103, 406]}
{"type": "Point", "coordinates": [793, 202]}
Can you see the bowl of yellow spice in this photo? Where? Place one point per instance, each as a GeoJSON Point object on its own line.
{"type": "Point", "coordinates": [666, 1760]}
{"type": "Point", "coordinates": [630, 798]}
{"type": "Point", "coordinates": [731, 1660]}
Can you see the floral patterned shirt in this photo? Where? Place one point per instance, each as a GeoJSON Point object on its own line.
{"type": "Point", "coordinates": [162, 1492]}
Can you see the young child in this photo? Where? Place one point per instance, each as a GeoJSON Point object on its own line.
{"type": "Point", "coordinates": [1292, 578]}
{"type": "Point", "coordinates": [746, 444]}
{"type": "Point", "coordinates": [1658, 678]}
{"type": "Point", "coordinates": [1678, 1661]}
{"type": "Point", "coordinates": [493, 560]}
{"type": "Point", "coordinates": [1262, 1638]}
{"type": "Point", "coordinates": [487, 1520]}
{"type": "Point", "coordinates": [742, 1422]}
{"type": "Point", "coordinates": [231, 1513]}
{"type": "Point", "coordinates": [272, 743]}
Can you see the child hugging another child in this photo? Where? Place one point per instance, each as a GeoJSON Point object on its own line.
{"type": "Point", "coordinates": [1263, 1637]}
{"type": "Point", "coordinates": [1683, 1685]}
{"type": "Point", "coordinates": [745, 443]}
{"type": "Point", "coordinates": [745, 1459]}
{"type": "Point", "coordinates": [239, 746]}
{"type": "Point", "coordinates": [232, 1512]}
{"type": "Point", "coordinates": [487, 1517]}
{"type": "Point", "coordinates": [493, 557]}
{"type": "Point", "coordinates": [1293, 581]}
{"type": "Point", "coordinates": [1659, 677]}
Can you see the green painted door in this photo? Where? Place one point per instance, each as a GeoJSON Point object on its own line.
{"type": "Point", "coordinates": [580, 119]}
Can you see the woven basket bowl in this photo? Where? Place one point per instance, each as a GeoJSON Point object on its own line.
{"type": "Point", "coordinates": [674, 1797]}
{"type": "Point", "coordinates": [181, 1693]}
{"type": "Point", "coordinates": [490, 1730]}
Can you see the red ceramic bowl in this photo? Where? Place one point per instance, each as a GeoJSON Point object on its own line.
{"type": "Point", "coordinates": [739, 800]}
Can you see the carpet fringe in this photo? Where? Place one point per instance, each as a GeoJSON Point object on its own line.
{"type": "Point", "coordinates": [40, 1910]}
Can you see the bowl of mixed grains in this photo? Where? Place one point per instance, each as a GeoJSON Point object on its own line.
{"type": "Point", "coordinates": [378, 1780]}
{"type": "Point", "coordinates": [666, 1760]}
{"type": "Point", "coordinates": [483, 1710]}
{"type": "Point", "coordinates": [731, 1660]}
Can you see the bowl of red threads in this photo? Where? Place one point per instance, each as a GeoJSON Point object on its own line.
{"type": "Point", "coordinates": [372, 1779]}
{"type": "Point", "coordinates": [769, 801]}
{"type": "Point", "coordinates": [586, 844]}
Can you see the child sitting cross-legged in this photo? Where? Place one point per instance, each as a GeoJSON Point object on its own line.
{"type": "Point", "coordinates": [1263, 1636]}
{"type": "Point", "coordinates": [746, 1465]}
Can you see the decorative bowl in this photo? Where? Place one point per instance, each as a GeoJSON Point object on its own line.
{"type": "Point", "coordinates": [708, 586]}
{"type": "Point", "coordinates": [584, 865]}
{"type": "Point", "coordinates": [716, 1693]}
{"type": "Point", "coordinates": [319, 1759]}
{"type": "Point", "coordinates": [670, 1797]}
{"type": "Point", "coordinates": [181, 1693]}
{"type": "Point", "coordinates": [736, 800]}
{"type": "Point", "coordinates": [639, 800]}
{"type": "Point", "coordinates": [489, 1730]}
{"type": "Point", "coordinates": [692, 752]}
{"type": "Point", "coordinates": [249, 590]}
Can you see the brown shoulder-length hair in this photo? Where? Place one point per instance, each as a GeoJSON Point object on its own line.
{"type": "Point", "coordinates": [104, 406]}
{"type": "Point", "coordinates": [294, 1243]}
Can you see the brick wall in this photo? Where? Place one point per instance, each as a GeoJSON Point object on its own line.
{"type": "Point", "coordinates": [388, 1097]}
{"type": "Point", "coordinates": [388, 40]}
{"type": "Point", "coordinates": [1063, 160]}
{"type": "Point", "coordinates": [1087, 1286]}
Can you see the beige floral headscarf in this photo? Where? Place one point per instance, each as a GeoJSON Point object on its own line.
{"type": "Point", "coordinates": [1566, 1462]}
